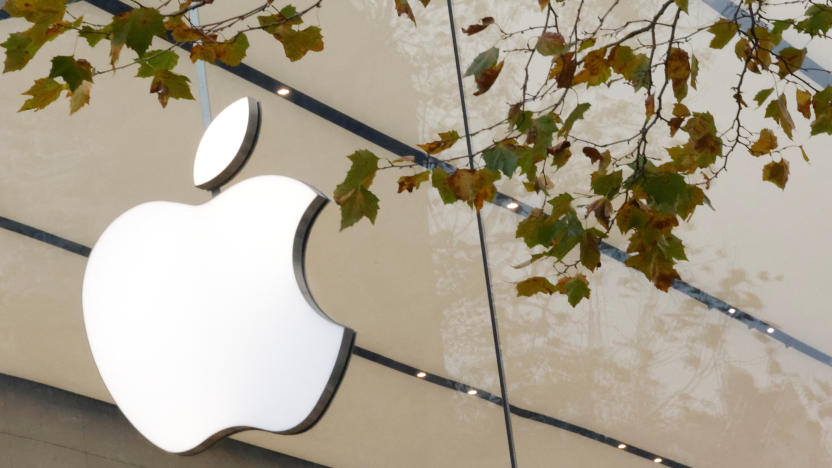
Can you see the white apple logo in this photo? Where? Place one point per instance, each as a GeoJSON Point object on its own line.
{"type": "Point", "coordinates": [199, 317]}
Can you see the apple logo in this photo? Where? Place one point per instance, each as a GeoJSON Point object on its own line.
{"type": "Point", "coordinates": [199, 318]}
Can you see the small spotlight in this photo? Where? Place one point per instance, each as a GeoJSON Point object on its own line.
{"type": "Point", "coordinates": [283, 92]}
{"type": "Point", "coordinates": [657, 460]}
{"type": "Point", "coordinates": [512, 205]}
{"type": "Point", "coordinates": [622, 446]}
{"type": "Point", "coordinates": [472, 392]}
{"type": "Point", "coordinates": [770, 330]}
{"type": "Point", "coordinates": [421, 375]}
{"type": "Point", "coordinates": [732, 311]}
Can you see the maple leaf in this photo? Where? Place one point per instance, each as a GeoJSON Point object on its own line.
{"type": "Point", "coordinates": [353, 194]}
{"type": "Point", "coordinates": [485, 69]}
{"type": "Point", "coordinates": [36, 11]}
{"type": "Point", "coordinates": [230, 52]}
{"type": "Point", "coordinates": [777, 173]}
{"type": "Point", "coordinates": [596, 70]}
{"type": "Point", "coordinates": [790, 60]}
{"type": "Point", "coordinates": [79, 97]}
{"type": "Point", "coordinates": [501, 157]}
{"type": "Point", "coordinates": [71, 70]}
{"type": "Point", "coordinates": [590, 253]}
{"type": "Point", "coordinates": [762, 95]}
{"type": "Point", "coordinates": [136, 29]}
{"type": "Point", "coordinates": [764, 145]}
{"type": "Point", "coordinates": [446, 140]}
{"type": "Point", "coordinates": [413, 181]}
{"type": "Point", "coordinates": [536, 229]}
{"type": "Point", "coordinates": [439, 180]}
{"type": "Point", "coordinates": [723, 31]}
{"type": "Point", "coordinates": [635, 68]}
{"type": "Point", "coordinates": [778, 111]}
{"type": "Point", "coordinates": [678, 70]}
{"type": "Point", "coordinates": [602, 209]}
{"type": "Point", "coordinates": [607, 185]}
{"type": "Point", "coordinates": [475, 28]}
{"type": "Point", "coordinates": [403, 8]}
{"type": "Point", "coordinates": [22, 46]}
{"type": "Point", "coordinates": [535, 285]}
{"type": "Point", "coordinates": [564, 70]}
{"type": "Point", "coordinates": [682, 4]}
{"type": "Point", "coordinates": [550, 43]}
{"type": "Point", "coordinates": [804, 102]}
{"type": "Point", "coordinates": [818, 21]}
{"type": "Point", "coordinates": [822, 104]}
{"type": "Point", "coordinates": [474, 187]}
{"type": "Point", "coordinates": [297, 43]}
{"type": "Point", "coordinates": [575, 288]}
{"type": "Point", "coordinates": [43, 92]}
{"type": "Point", "coordinates": [577, 113]}
{"type": "Point", "coordinates": [156, 60]}
{"type": "Point", "coordinates": [167, 84]}
{"type": "Point", "coordinates": [694, 70]}
{"type": "Point", "coordinates": [560, 153]}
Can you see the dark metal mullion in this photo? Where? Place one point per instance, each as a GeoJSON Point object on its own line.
{"type": "Point", "coordinates": [491, 309]}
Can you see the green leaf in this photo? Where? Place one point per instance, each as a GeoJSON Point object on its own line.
{"type": "Point", "coordinates": [536, 229]}
{"type": "Point", "coordinates": [483, 62]}
{"type": "Point", "coordinates": [156, 60]}
{"type": "Point", "coordinates": [544, 127]}
{"type": "Point", "coordinates": [682, 4]}
{"type": "Point", "coordinates": [577, 113]}
{"type": "Point", "coordinates": [778, 111]}
{"type": "Point", "coordinates": [43, 92]}
{"type": "Point", "coordinates": [723, 31]}
{"type": "Point", "coordinates": [575, 288]}
{"type": "Point", "coordinates": [777, 173]}
{"type": "Point", "coordinates": [761, 96]}
{"type": "Point", "coordinates": [501, 158]}
{"type": "Point", "coordinates": [818, 20]}
{"type": "Point", "coordinates": [136, 29]}
{"type": "Point", "coordinates": [21, 47]}
{"type": "Point", "coordinates": [95, 35]}
{"type": "Point", "coordinates": [561, 205]}
{"type": "Point", "coordinates": [439, 179]}
{"type": "Point", "coordinates": [353, 194]}
{"type": "Point", "coordinates": [167, 84]}
{"type": "Point", "coordinates": [71, 70]}
{"type": "Point", "coordinates": [607, 185]}
{"type": "Point", "coordinates": [45, 12]}
{"type": "Point", "coordinates": [297, 43]}
{"type": "Point", "coordinates": [535, 285]}
{"type": "Point", "coordinates": [694, 70]}
{"type": "Point", "coordinates": [822, 105]}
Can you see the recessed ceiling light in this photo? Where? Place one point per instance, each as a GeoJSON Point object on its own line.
{"type": "Point", "coordinates": [770, 330]}
{"type": "Point", "coordinates": [732, 310]}
{"type": "Point", "coordinates": [421, 375]}
{"type": "Point", "coordinates": [472, 392]}
{"type": "Point", "coordinates": [283, 91]}
{"type": "Point", "coordinates": [657, 460]}
{"type": "Point", "coordinates": [512, 205]}
{"type": "Point", "coordinates": [622, 446]}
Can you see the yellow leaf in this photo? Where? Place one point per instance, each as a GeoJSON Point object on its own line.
{"type": "Point", "coordinates": [764, 145]}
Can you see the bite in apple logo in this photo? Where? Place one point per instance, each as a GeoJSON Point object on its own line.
{"type": "Point", "coordinates": [199, 318]}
